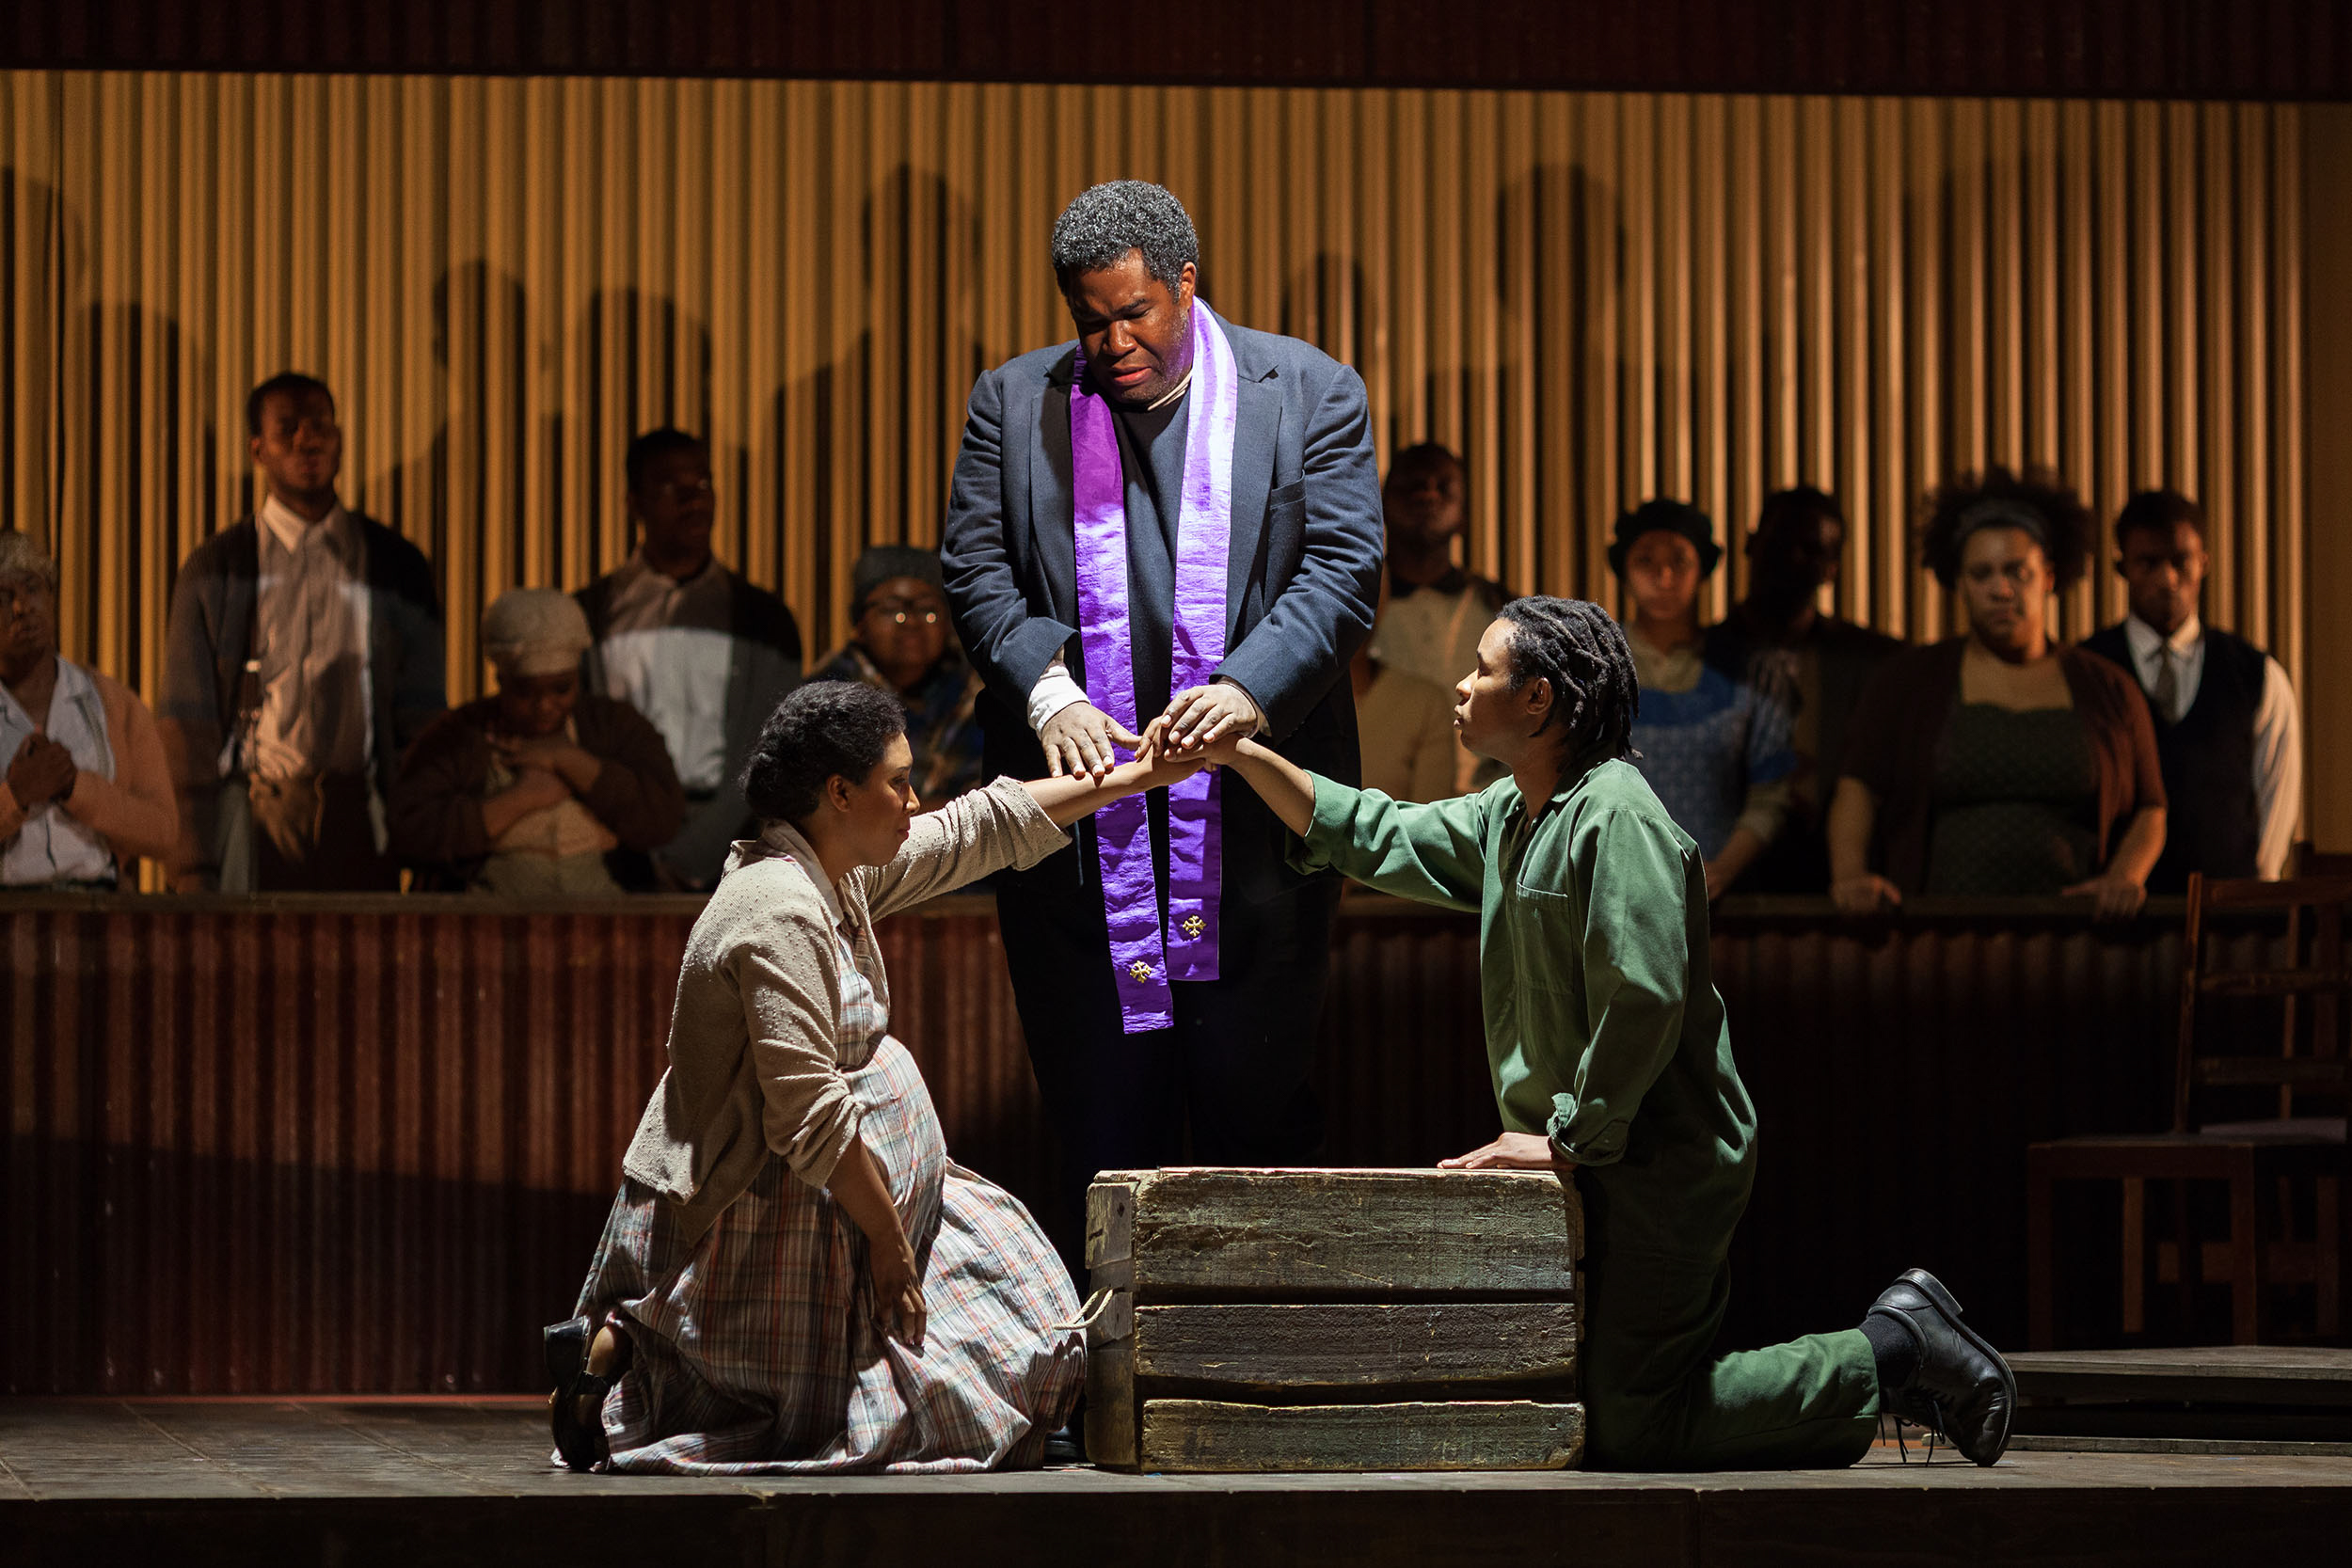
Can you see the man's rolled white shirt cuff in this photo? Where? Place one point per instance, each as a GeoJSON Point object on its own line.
{"type": "Point", "coordinates": [1056, 689]}
{"type": "Point", "coordinates": [1053, 691]}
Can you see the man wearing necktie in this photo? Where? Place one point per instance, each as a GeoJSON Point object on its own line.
{"type": "Point", "coordinates": [1171, 514]}
{"type": "Point", "coordinates": [2228, 735]}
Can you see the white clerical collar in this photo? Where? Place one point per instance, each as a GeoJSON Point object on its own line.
{"type": "Point", "coordinates": [1170, 395]}
{"type": "Point", "coordinates": [2145, 640]}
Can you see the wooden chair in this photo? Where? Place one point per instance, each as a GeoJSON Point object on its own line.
{"type": "Point", "coordinates": [2308, 860]}
{"type": "Point", "coordinates": [2274, 1158]}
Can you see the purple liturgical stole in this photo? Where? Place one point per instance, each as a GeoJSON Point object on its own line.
{"type": "Point", "coordinates": [1144, 958]}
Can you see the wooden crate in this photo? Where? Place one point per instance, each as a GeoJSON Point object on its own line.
{"type": "Point", "coordinates": [1333, 1319]}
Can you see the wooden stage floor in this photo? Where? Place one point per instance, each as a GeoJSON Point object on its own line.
{"type": "Point", "coordinates": [427, 1481]}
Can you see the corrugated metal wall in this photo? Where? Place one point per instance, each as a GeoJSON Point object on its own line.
{"type": "Point", "coordinates": [344, 1144]}
{"type": "Point", "coordinates": [1598, 297]}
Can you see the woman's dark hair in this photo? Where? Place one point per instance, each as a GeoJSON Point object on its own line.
{"type": "Point", "coordinates": [1579, 647]}
{"type": "Point", "coordinates": [1998, 497]}
{"type": "Point", "coordinates": [820, 729]}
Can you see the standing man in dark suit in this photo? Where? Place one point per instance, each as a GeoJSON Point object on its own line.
{"type": "Point", "coordinates": [304, 653]}
{"type": "Point", "coordinates": [2227, 737]}
{"type": "Point", "coordinates": [1171, 514]}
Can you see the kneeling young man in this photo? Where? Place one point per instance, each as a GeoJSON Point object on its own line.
{"type": "Point", "coordinates": [1611, 1060]}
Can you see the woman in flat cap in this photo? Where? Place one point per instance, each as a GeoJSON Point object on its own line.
{"type": "Point", "coordinates": [528, 792]}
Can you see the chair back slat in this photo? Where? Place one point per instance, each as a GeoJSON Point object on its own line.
{"type": "Point", "coordinates": [2298, 892]}
{"type": "Point", "coordinates": [2307, 980]}
{"type": "Point", "coordinates": [2276, 982]}
{"type": "Point", "coordinates": [2238, 1073]}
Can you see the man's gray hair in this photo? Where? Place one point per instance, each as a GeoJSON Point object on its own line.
{"type": "Point", "coordinates": [1108, 220]}
{"type": "Point", "coordinates": [22, 552]}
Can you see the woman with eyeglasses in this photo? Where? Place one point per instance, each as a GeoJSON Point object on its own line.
{"type": "Point", "coordinates": [900, 641]}
{"type": "Point", "coordinates": [1999, 763]}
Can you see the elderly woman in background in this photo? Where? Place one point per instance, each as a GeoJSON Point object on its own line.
{"type": "Point", "coordinates": [1714, 743]}
{"type": "Point", "coordinates": [528, 791]}
{"type": "Point", "coordinates": [88, 789]}
{"type": "Point", "coordinates": [1997, 763]}
{"type": "Point", "coordinates": [902, 642]}
{"type": "Point", "coordinates": [795, 1277]}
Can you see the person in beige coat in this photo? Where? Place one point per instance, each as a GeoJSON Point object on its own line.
{"type": "Point", "coordinates": [794, 1277]}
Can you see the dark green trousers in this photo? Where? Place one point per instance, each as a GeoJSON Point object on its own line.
{"type": "Point", "coordinates": [1656, 1400]}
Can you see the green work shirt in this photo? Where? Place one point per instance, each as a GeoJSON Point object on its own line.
{"type": "Point", "coordinates": [1603, 1028]}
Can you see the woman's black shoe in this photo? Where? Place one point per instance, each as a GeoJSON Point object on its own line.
{"type": "Point", "coordinates": [566, 1344]}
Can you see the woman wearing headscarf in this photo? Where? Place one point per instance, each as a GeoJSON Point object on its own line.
{"type": "Point", "coordinates": [87, 789]}
{"type": "Point", "coordinates": [527, 791]}
{"type": "Point", "coordinates": [1714, 743]}
{"type": "Point", "coordinates": [1998, 763]}
{"type": "Point", "coordinates": [795, 1277]}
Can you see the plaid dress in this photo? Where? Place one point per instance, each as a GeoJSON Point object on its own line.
{"type": "Point", "coordinates": [756, 1347]}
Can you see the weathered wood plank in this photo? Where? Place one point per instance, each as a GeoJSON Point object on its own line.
{"type": "Point", "coordinates": [2286, 1363]}
{"type": "Point", "coordinates": [1210, 1435]}
{"type": "Point", "coordinates": [2217, 1375]}
{"type": "Point", "coordinates": [1354, 1233]}
{"type": "Point", "coordinates": [1356, 1345]}
{"type": "Point", "coordinates": [1110, 1414]}
{"type": "Point", "coordinates": [1110, 1216]}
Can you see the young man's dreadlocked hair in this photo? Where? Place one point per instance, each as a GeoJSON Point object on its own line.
{"type": "Point", "coordinates": [1577, 646]}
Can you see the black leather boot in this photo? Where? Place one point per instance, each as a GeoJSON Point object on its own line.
{"type": "Point", "coordinates": [1962, 1387]}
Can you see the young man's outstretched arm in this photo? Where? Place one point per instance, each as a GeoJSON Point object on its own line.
{"type": "Point", "coordinates": [1433, 853]}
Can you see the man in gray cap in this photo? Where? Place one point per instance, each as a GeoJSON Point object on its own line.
{"type": "Point", "coordinates": [901, 641]}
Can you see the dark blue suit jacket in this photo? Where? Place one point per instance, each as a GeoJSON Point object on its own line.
{"type": "Point", "coordinates": [1303, 582]}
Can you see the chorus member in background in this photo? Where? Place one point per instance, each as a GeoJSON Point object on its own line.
{"type": "Point", "coordinates": [1611, 1064]}
{"type": "Point", "coordinates": [2227, 737]}
{"type": "Point", "coordinates": [530, 791]}
{"type": "Point", "coordinates": [1780, 638]}
{"type": "Point", "coordinates": [1172, 512]}
{"type": "Point", "coordinates": [305, 653]}
{"type": "Point", "coordinates": [1712, 743]}
{"type": "Point", "coordinates": [795, 1277]}
{"type": "Point", "coordinates": [1430, 623]}
{"type": "Point", "coordinates": [1404, 725]}
{"type": "Point", "coordinates": [1998, 763]}
{"type": "Point", "coordinates": [692, 646]}
{"type": "Point", "coordinates": [902, 642]}
{"type": "Point", "coordinates": [87, 791]}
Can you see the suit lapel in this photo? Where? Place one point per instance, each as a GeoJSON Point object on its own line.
{"type": "Point", "coordinates": [1052, 506]}
{"type": "Point", "coordinates": [1258, 430]}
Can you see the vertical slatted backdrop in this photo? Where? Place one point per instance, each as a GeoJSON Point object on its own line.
{"type": "Point", "coordinates": [1598, 297]}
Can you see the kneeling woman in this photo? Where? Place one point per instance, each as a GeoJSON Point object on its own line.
{"type": "Point", "coordinates": [795, 1277]}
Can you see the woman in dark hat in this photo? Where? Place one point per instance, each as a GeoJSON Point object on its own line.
{"type": "Point", "coordinates": [1714, 743]}
{"type": "Point", "coordinates": [1997, 763]}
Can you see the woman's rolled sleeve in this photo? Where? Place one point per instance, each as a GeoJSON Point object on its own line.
{"type": "Point", "coordinates": [1434, 852]}
{"type": "Point", "coordinates": [974, 835]}
{"type": "Point", "coordinates": [790, 986]}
